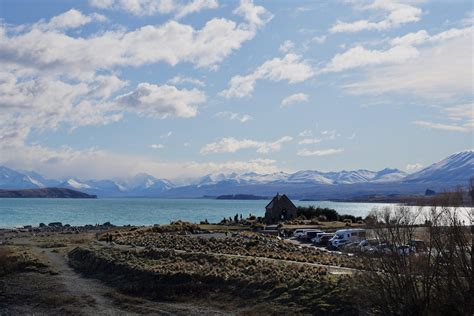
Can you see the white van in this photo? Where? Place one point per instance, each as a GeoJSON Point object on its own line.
{"type": "Point", "coordinates": [299, 233]}
{"type": "Point", "coordinates": [345, 236]}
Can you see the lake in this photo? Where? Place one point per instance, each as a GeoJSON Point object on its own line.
{"type": "Point", "coordinates": [122, 211]}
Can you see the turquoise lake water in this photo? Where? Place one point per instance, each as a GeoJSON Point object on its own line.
{"type": "Point", "coordinates": [19, 212]}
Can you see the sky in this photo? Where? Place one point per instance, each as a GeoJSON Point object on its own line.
{"type": "Point", "coordinates": [182, 88]}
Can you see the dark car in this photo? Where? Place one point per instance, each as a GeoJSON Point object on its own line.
{"type": "Point", "coordinates": [310, 235]}
{"type": "Point", "coordinates": [325, 240]}
{"type": "Point", "coordinates": [417, 245]}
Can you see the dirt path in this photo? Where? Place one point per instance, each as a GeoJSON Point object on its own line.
{"type": "Point", "coordinates": [105, 299]}
{"type": "Point", "coordinates": [78, 286]}
{"type": "Point", "coordinates": [92, 297]}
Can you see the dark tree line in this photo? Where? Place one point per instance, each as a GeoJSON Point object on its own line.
{"type": "Point", "coordinates": [310, 212]}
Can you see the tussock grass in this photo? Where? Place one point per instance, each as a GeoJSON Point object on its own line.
{"type": "Point", "coordinates": [243, 244]}
{"type": "Point", "coordinates": [177, 276]}
{"type": "Point", "coordinates": [17, 259]}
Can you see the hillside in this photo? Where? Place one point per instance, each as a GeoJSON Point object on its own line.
{"type": "Point", "coordinates": [45, 193]}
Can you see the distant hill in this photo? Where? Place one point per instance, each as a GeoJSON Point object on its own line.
{"type": "Point", "coordinates": [457, 168]}
{"type": "Point", "coordinates": [305, 184]}
{"type": "Point", "coordinates": [241, 197]}
{"type": "Point", "coordinates": [141, 185]}
{"type": "Point", "coordinates": [316, 185]}
{"type": "Point", "coordinates": [45, 193]}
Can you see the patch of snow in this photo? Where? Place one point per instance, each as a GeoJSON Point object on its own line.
{"type": "Point", "coordinates": [77, 185]}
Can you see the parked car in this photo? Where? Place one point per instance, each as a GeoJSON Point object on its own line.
{"type": "Point", "coordinates": [368, 245]}
{"type": "Point", "coordinates": [345, 236]}
{"type": "Point", "coordinates": [300, 232]}
{"type": "Point", "coordinates": [304, 235]}
{"type": "Point", "coordinates": [383, 247]}
{"type": "Point", "coordinates": [316, 240]}
{"type": "Point", "coordinates": [324, 240]}
{"type": "Point", "coordinates": [405, 249]}
{"type": "Point", "coordinates": [310, 234]}
{"type": "Point", "coordinates": [417, 245]}
{"type": "Point", "coordinates": [350, 247]}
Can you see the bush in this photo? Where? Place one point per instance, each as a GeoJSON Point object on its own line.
{"type": "Point", "coordinates": [311, 212]}
{"type": "Point", "coordinates": [322, 218]}
{"type": "Point", "coordinates": [7, 263]}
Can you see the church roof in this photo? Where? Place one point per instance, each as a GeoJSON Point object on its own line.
{"type": "Point", "coordinates": [279, 199]}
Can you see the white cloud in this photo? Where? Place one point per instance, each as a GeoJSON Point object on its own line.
{"type": "Point", "coordinates": [45, 103]}
{"type": "Point", "coordinates": [196, 6]}
{"type": "Point", "coordinates": [69, 20]}
{"type": "Point", "coordinates": [306, 133]}
{"type": "Point", "coordinates": [440, 71]}
{"type": "Point", "coordinates": [156, 146]}
{"type": "Point", "coordinates": [330, 134]}
{"type": "Point", "coordinates": [413, 167]}
{"type": "Point", "coordinates": [460, 112]}
{"type": "Point", "coordinates": [469, 19]}
{"type": "Point", "coordinates": [242, 118]}
{"type": "Point", "coordinates": [402, 50]}
{"type": "Point", "coordinates": [360, 56]}
{"type": "Point", "coordinates": [309, 141]}
{"type": "Point", "coordinates": [422, 36]}
{"type": "Point", "coordinates": [353, 136]}
{"type": "Point", "coordinates": [294, 98]}
{"type": "Point", "coordinates": [461, 119]}
{"type": "Point", "coordinates": [256, 16]}
{"type": "Point", "coordinates": [161, 101]}
{"type": "Point", "coordinates": [151, 7]}
{"type": "Point", "coordinates": [319, 39]}
{"type": "Point", "coordinates": [395, 13]}
{"type": "Point", "coordinates": [53, 52]}
{"type": "Point", "coordinates": [183, 80]}
{"type": "Point", "coordinates": [166, 135]}
{"type": "Point", "coordinates": [290, 68]}
{"type": "Point", "coordinates": [97, 163]}
{"type": "Point", "coordinates": [51, 78]}
{"type": "Point", "coordinates": [286, 46]}
{"type": "Point", "coordinates": [446, 127]}
{"type": "Point", "coordinates": [232, 145]}
{"type": "Point", "coordinates": [322, 152]}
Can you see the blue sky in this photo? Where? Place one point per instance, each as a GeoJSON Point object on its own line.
{"type": "Point", "coordinates": [179, 89]}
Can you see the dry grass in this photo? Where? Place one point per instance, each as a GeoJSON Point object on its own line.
{"type": "Point", "coordinates": [243, 244]}
{"type": "Point", "coordinates": [325, 226]}
{"type": "Point", "coordinates": [18, 259]}
{"type": "Point", "coordinates": [170, 275]}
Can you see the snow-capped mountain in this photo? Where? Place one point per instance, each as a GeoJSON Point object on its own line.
{"type": "Point", "coordinates": [11, 179]}
{"type": "Point", "coordinates": [245, 178]}
{"type": "Point", "coordinates": [96, 187]}
{"type": "Point", "coordinates": [144, 184]}
{"type": "Point", "coordinates": [445, 174]}
{"type": "Point", "coordinates": [139, 185]}
{"type": "Point", "coordinates": [307, 176]}
{"type": "Point", "coordinates": [457, 168]}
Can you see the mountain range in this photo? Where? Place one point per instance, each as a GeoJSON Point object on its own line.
{"type": "Point", "coordinates": [443, 175]}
